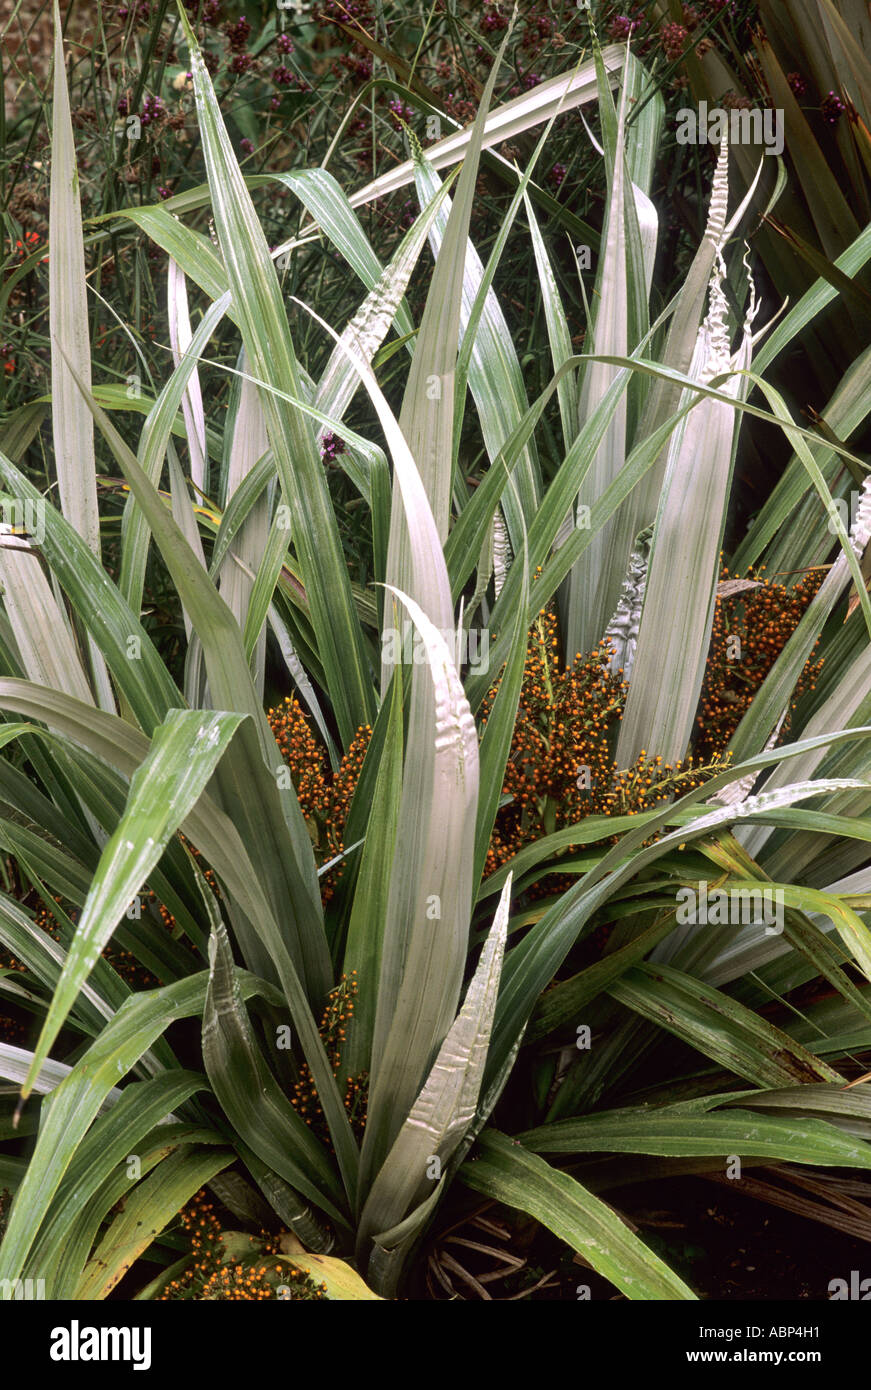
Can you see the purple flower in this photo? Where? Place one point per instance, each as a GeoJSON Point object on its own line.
{"type": "Point", "coordinates": [674, 41]}
{"type": "Point", "coordinates": [152, 108]}
{"type": "Point", "coordinates": [238, 33]}
{"type": "Point", "coordinates": [832, 108]}
{"type": "Point", "coordinates": [140, 10]}
{"type": "Point", "coordinates": [493, 21]}
{"type": "Point", "coordinates": [399, 112]}
{"type": "Point", "coordinates": [331, 445]}
{"type": "Point", "coordinates": [622, 28]}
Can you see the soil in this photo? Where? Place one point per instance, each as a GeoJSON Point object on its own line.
{"type": "Point", "coordinates": [730, 1246]}
{"type": "Point", "coordinates": [725, 1244]}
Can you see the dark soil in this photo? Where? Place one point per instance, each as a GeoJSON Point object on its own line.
{"type": "Point", "coordinates": [730, 1246]}
{"type": "Point", "coordinates": [725, 1244]}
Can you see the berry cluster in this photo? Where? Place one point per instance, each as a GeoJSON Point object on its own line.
{"type": "Point", "coordinates": [333, 1030]}
{"type": "Point", "coordinates": [564, 718]}
{"type": "Point", "coordinates": [211, 1275]}
{"type": "Point", "coordinates": [751, 628]}
{"type": "Point", "coordinates": [324, 795]}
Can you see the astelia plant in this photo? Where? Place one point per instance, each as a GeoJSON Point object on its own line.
{"type": "Point", "coordinates": [295, 977]}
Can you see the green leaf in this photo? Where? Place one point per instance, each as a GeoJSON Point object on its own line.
{"type": "Point", "coordinates": [566, 999]}
{"type": "Point", "coordinates": [68, 309]}
{"type": "Point", "coordinates": [671, 1134]}
{"type": "Point", "coordinates": [594, 585]}
{"type": "Point", "coordinates": [498, 734]}
{"type": "Point", "coordinates": [256, 544]}
{"type": "Point", "coordinates": [249, 1094]}
{"type": "Point", "coordinates": [268, 346]}
{"type": "Point", "coordinates": [184, 753]}
{"type": "Point", "coordinates": [325, 201]}
{"type": "Point", "coordinates": [44, 959]}
{"type": "Point", "coordinates": [145, 683]}
{"type": "Point", "coordinates": [558, 331]}
{"type": "Point", "coordinates": [812, 303]}
{"type": "Point", "coordinates": [72, 1257]}
{"type": "Point", "coordinates": [488, 361]}
{"type": "Point", "coordinates": [530, 965]}
{"type": "Point", "coordinates": [135, 530]}
{"type": "Point", "coordinates": [192, 401]}
{"type": "Point", "coordinates": [669, 663]}
{"type": "Point", "coordinates": [717, 1026]}
{"type": "Point", "coordinates": [83, 1090]}
{"type": "Point", "coordinates": [427, 415]}
{"type": "Point", "coordinates": [445, 1108]}
{"type": "Point", "coordinates": [502, 1169]}
{"type": "Point", "coordinates": [791, 528]}
{"type": "Point", "coordinates": [364, 944]}
{"type": "Point", "coordinates": [73, 432]}
{"type": "Point", "coordinates": [113, 1137]}
{"type": "Point", "coordinates": [45, 645]}
{"type": "Point", "coordinates": [151, 1205]}
{"type": "Point", "coordinates": [425, 937]}
{"type": "Point", "coordinates": [271, 821]}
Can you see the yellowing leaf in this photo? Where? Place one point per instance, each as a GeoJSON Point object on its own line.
{"type": "Point", "coordinates": [342, 1282]}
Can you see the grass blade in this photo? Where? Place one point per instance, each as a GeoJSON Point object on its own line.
{"type": "Point", "coordinates": [269, 349]}
{"type": "Point", "coordinates": [183, 755]}
{"type": "Point", "coordinates": [505, 1171]}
